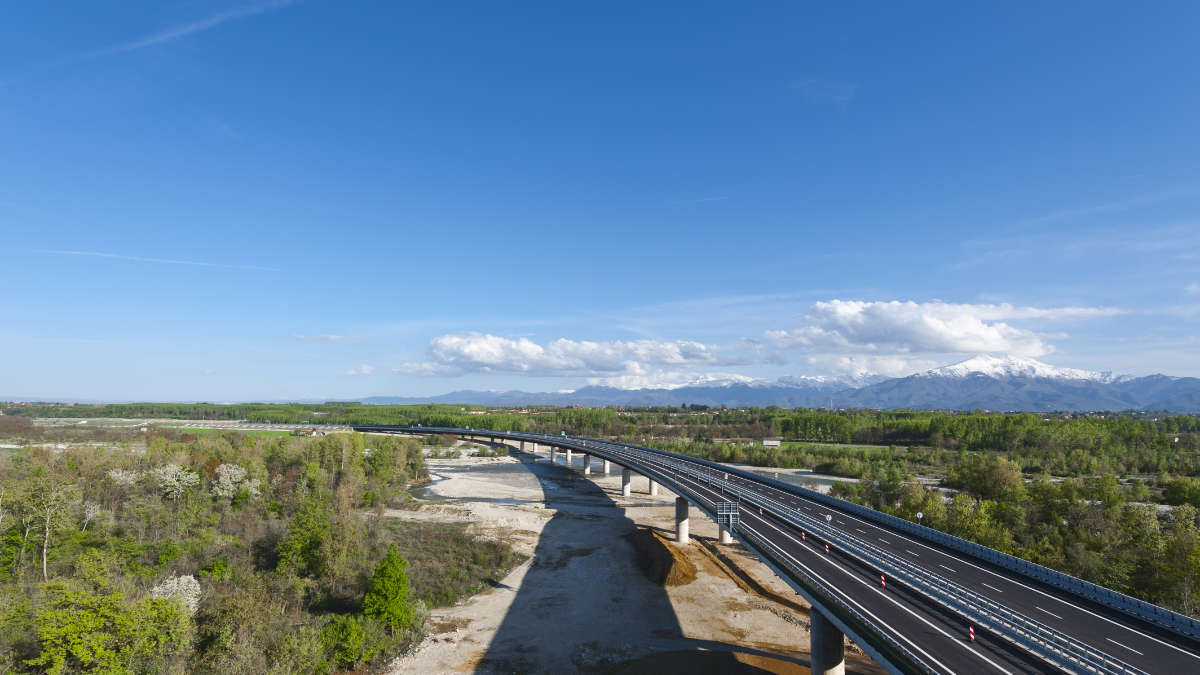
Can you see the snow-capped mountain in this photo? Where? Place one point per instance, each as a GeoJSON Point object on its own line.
{"type": "Point", "coordinates": [987, 382]}
{"type": "Point", "coordinates": [1012, 366]}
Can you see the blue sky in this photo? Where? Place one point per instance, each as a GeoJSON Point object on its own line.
{"type": "Point", "coordinates": [223, 201]}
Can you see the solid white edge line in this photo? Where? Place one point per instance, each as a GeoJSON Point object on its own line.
{"type": "Point", "coordinates": [864, 583]}
{"type": "Point", "coordinates": [1026, 586]}
{"type": "Point", "coordinates": [886, 596]}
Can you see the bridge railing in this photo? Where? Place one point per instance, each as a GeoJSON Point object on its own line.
{"type": "Point", "coordinates": [1022, 630]}
{"type": "Point", "coordinates": [1149, 612]}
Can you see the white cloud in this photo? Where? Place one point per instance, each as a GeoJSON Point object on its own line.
{"type": "Point", "coordinates": [485, 353]}
{"type": "Point", "coordinates": [1193, 289]}
{"type": "Point", "coordinates": [929, 327]}
{"type": "Point", "coordinates": [860, 338]}
{"type": "Point", "coordinates": [363, 369]}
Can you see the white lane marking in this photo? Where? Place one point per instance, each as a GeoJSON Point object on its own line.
{"type": "Point", "coordinates": [1048, 612]}
{"type": "Point", "coordinates": [1038, 591]}
{"type": "Point", "coordinates": [944, 567]}
{"type": "Point", "coordinates": [886, 596]}
{"type": "Point", "coordinates": [884, 540]}
{"type": "Point", "coordinates": [916, 554]}
{"type": "Point", "coordinates": [1000, 576]}
{"type": "Point", "coordinates": [1126, 647]}
{"type": "Point", "coordinates": [993, 588]}
{"type": "Point", "coordinates": [861, 530]}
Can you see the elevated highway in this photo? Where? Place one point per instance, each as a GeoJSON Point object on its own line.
{"type": "Point", "coordinates": [917, 600]}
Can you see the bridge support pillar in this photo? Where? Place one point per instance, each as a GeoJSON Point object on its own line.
{"type": "Point", "coordinates": [726, 537]}
{"type": "Point", "coordinates": [568, 451]}
{"type": "Point", "coordinates": [553, 455]}
{"type": "Point", "coordinates": [522, 446]}
{"type": "Point", "coordinates": [827, 646]}
{"type": "Point", "coordinates": [681, 520]}
{"type": "Point", "coordinates": [653, 488]}
{"type": "Point", "coordinates": [626, 482]}
{"type": "Point", "coordinates": [606, 467]}
{"type": "Point", "coordinates": [587, 465]}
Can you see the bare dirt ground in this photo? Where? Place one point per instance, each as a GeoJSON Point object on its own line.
{"type": "Point", "coordinates": [581, 602]}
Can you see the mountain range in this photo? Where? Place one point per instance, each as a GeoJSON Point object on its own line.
{"type": "Point", "coordinates": [983, 382]}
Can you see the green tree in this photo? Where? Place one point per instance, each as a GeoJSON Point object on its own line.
{"type": "Point", "coordinates": [387, 598]}
{"type": "Point", "coordinates": [304, 550]}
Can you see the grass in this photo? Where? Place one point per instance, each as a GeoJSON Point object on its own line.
{"type": "Point", "coordinates": [445, 563]}
{"type": "Point", "coordinates": [248, 432]}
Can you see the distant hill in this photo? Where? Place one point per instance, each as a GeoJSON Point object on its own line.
{"type": "Point", "coordinates": [987, 382]}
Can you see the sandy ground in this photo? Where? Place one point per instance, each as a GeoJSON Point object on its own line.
{"type": "Point", "coordinates": [580, 603]}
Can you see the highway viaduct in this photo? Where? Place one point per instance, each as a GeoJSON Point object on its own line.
{"type": "Point", "coordinates": [915, 599]}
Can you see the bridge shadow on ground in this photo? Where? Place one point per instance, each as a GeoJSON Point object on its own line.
{"type": "Point", "coordinates": [585, 605]}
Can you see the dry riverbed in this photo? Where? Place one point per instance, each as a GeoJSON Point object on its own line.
{"type": "Point", "coordinates": [581, 602]}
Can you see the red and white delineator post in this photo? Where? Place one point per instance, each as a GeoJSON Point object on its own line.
{"type": "Point", "coordinates": [971, 629]}
{"type": "Point", "coordinates": [882, 581]}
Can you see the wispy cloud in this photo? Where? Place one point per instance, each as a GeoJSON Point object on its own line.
{"type": "Point", "coordinates": [364, 369]}
{"type": "Point", "coordinates": [161, 37]}
{"type": "Point", "coordinates": [325, 337]}
{"type": "Point", "coordinates": [160, 261]}
{"type": "Point", "coordinates": [176, 32]}
{"type": "Point", "coordinates": [825, 92]}
{"type": "Point", "coordinates": [1193, 289]}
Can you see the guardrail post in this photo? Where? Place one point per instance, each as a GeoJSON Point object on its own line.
{"type": "Point", "coordinates": [826, 646]}
{"type": "Point", "coordinates": [681, 520]}
{"type": "Point", "coordinates": [626, 482]}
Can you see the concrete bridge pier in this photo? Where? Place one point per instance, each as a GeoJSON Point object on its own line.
{"type": "Point", "coordinates": [522, 446]}
{"type": "Point", "coordinates": [653, 488]}
{"type": "Point", "coordinates": [553, 454]}
{"type": "Point", "coordinates": [606, 467]}
{"type": "Point", "coordinates": [568, 451]}
{"type": "Point", "coordinates": [626, 482]}
{"type": "Point", "coordinates": [681, 520]}
{"type": "Point", "coordinates": [827, 646]}
{"type": "Point", "coordinates": [726, 536]}
{"type": "Point", "coordinates": [587, 465]}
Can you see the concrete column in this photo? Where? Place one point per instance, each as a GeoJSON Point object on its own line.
{"type": "Point", "coordinates": [568, 451]}
{"type": "Point", "coordinates": [553, 455]}
{"type": "Point", "coordinates": [827, 646]}
{"type": "Point", "coordinates": [587, 465]}
{"type": "Point", "coordinates": [606, 467]}
{"type": "Point", "coordinates": [626, 482]}
{"type": "Point", "coordinates": [681, 520]}
{"type": "Point", "coordinates": [726, 537]}
{"type": "Point", "coordinates": [653, 488]}
{"type": "Point", "coordinates": [522, 446]}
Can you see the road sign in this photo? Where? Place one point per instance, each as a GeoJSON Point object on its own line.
{"type": "Point", "coordinates": [727, 515]}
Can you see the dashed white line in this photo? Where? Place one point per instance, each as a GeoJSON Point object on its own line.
{"type": "Point", "coordinates": [946, 568]}
{"type": "Point", "coordinates": [916, 554]}
{"type": "Point", "coordinates": [1048, 612]}
{"type": "Point", "coordinates": [993, 588]}
{"type": "Point", "coordinates": [1126, 646]}
{"type": "Point", "coordinates": [861, 530]}
{"type": "Point", "coordinates": [884, 540]}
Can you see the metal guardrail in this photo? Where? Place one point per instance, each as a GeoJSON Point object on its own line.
{"type": "Point", "coordinates": [1018, 628]}
{"type": "Point", "coordinates": [1160, 616]}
